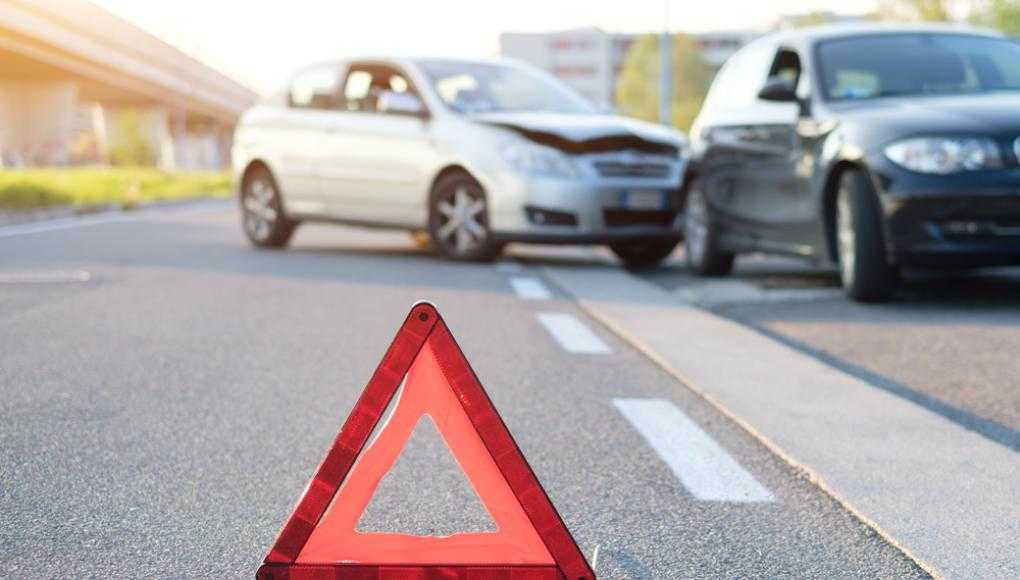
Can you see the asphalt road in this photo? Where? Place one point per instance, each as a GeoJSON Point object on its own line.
{"type": "Point", "coordinates": [166, 392]}
{"type": "Point", "coordinates": [946, 342]}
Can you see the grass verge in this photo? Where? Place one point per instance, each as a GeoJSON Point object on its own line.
{"type": "Point", "coordinates": [23, 189]}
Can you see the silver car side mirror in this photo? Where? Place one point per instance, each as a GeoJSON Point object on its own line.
{"type": "Point", "coordinates": [400, 104]}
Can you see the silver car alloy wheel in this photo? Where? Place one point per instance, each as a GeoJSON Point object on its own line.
{"type": "Point", "coordinates": [259, 214]}
{"type": "Point", "coordinates": [846, 239]}
{"type": "Point", "coordinates": [461, 221]}
{"type": "Point", "coordinates": [696, 226]}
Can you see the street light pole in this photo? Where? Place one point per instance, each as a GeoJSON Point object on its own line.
{"type": "Point", "coordinates": [666, 76]}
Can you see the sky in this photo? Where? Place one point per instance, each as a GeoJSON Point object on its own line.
{"type": "Point", "coordinates": [261, 42]}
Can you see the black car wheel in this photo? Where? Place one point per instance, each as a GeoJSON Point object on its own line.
{"type": "Point", "coordinates": [643, 254]}
{"type": "Point", "coordinates": [459, 220]}
{"type": "Point", "coordinates": [262, 214]}
{"type": "Point", "coordinates": [864, 265]}
{"type": "Point", "coordinates": [701, 237]}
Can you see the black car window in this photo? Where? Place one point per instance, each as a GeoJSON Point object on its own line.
{"type": "Point", "coordinates": [917, 64]}
{"type": "Point", "coordinates": [316, 88]}
{"type": "Point", "coordinates": [786, 66]}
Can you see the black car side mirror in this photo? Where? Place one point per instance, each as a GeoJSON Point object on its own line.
{"type": "Point", "coordinates": [778, 89]}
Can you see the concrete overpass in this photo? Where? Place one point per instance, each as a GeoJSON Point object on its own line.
{"type": "Point", "coordinates": [68, 68]}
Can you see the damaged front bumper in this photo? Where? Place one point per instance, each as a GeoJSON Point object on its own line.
{"type": "Point", "coordinates": [614, 197]}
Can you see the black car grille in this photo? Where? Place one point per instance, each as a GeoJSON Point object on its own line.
{"type": "Point", "coordinates": [622, 169]}
{"type": "Point", "coordinates": [615, 218]}
{"type": "Point", "coordinates": [977, 229]}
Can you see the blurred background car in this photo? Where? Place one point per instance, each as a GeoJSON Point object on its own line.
{"type": "Point", "coordinates": [870, 146]}
{"type": "Point", "coordinates": [476, 153]}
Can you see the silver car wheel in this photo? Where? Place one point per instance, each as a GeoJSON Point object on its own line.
{"type": "Point", "coordinates": [259, 214]}
{"type": "Point", "coordinates": [696, 226]}
{"type": "Point", "coordinates": [460, 221]}
{"type": "Point", "coordinates": [846, 240]}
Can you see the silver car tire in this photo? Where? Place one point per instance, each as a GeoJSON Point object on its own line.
{"type": "Point", "coordinates": [262, 215]}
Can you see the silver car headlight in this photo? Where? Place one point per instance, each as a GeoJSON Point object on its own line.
{"type": "Point", "coordinates": [535, 159]}
{"type": "Point", "coordinates": [945, 155]}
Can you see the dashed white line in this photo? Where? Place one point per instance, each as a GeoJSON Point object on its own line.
{"type": "Point", "coordinates": [572, 334]}
{"type": "Point", "coordinates": [530, 288]}
{"type": "Point", "coordinates": [701, 465]}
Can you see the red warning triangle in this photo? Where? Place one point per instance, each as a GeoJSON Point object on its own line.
{"type": "Point", "coordinates": [321, 540]}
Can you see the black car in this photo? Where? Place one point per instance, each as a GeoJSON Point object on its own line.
{"type": "Point", "coordinates": [868, 146]}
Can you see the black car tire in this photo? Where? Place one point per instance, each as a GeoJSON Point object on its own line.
{"type": "Point", "coordinates": [262, 215]}
{"type": "Point", "coordinates": [865, 270]}
{"type": "Point", "coordinates": [644, 254]}
{"type": "Point", "coordinates": [701, 237]}
{"type": "Point", "coordinates": [458, 196]}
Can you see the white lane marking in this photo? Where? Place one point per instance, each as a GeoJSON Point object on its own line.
{"type": "Point", "coordinates": [704, 468]}
{"type": "Point", "coordinates": [530, 288]}
{"type": "Point", "coordinates": [154, 212]}
{"type": "Point", "coordinates": [62, 224]}
{"type": "Point", "coordinates": [44, 277]}
{"type": "Point", "coordinates": [572, 334]}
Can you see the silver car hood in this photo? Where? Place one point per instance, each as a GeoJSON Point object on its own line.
{"type": "Point", "coordinates": [578, 133]}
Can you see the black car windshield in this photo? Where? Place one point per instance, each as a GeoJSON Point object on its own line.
{"type": "Point", "coordinates": [473, 87]}
{"type": "Point", "coordinates": [889, 65]}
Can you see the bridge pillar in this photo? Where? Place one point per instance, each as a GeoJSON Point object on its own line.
{"type": "Point", "coordinates": [37, 121]}
{"type": "Point", "coordinates": [161, 135]}
{"type": "Point", "coordinates": [182, 146]}
{"type": "Point", "coordinates": [224, 143]}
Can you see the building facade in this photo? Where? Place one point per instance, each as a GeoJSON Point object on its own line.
{"type": "Point", "coordinates": [590, 60]}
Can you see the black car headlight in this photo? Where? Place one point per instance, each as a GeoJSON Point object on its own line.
{"type": "Point", "coordinates": [945, 155]}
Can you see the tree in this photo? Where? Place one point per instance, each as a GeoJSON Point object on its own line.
{"type": "Point", "coordinates": [927, 10]}
{"type": "Point", "coordinates": [129, 144]}
{"type": "Point", "coordinates": [932, 10]}
{"type": "Point", "coordinates": [1001, 14]}
{"type": "Point", "coordinates": [637, 92]}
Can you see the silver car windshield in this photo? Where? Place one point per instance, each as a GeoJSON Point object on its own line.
{"type": "Point", "coordinates": [473, 87]}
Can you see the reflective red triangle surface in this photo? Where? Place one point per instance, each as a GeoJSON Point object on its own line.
{"type": "Point", "coordinates": [320, 539]}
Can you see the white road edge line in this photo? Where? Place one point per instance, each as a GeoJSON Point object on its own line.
{"type": "Point", "coordinates": [61, 224]}
{"type": "Point", "coordinates": [45, 277]}
{"type": "Point", "coordinates": [530, 288]}
{"type": "Point", "coordinates": [707, 471]}
{"type": "Point", "coordinates": [112, 217]}
{"type": "Point", "coordinates": [572, 334]}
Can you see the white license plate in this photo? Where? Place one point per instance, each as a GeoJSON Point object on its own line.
{"type": "Point", "coordinates": [643, 200]}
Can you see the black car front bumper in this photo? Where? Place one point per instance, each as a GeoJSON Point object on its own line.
{"type": "Point", "coordinates": [955, 232]}
{"type": "Point", "coordinates": [956, 221]}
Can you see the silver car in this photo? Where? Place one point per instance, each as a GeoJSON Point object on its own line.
{"type": "Point", "coordinates": [475, 153]}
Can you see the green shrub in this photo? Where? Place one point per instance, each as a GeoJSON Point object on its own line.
{"type": "Point", "coordinates": [83, 187]}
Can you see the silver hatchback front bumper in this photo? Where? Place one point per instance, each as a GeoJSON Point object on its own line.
{"type": "Point", "coordinates": [596, 206]}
